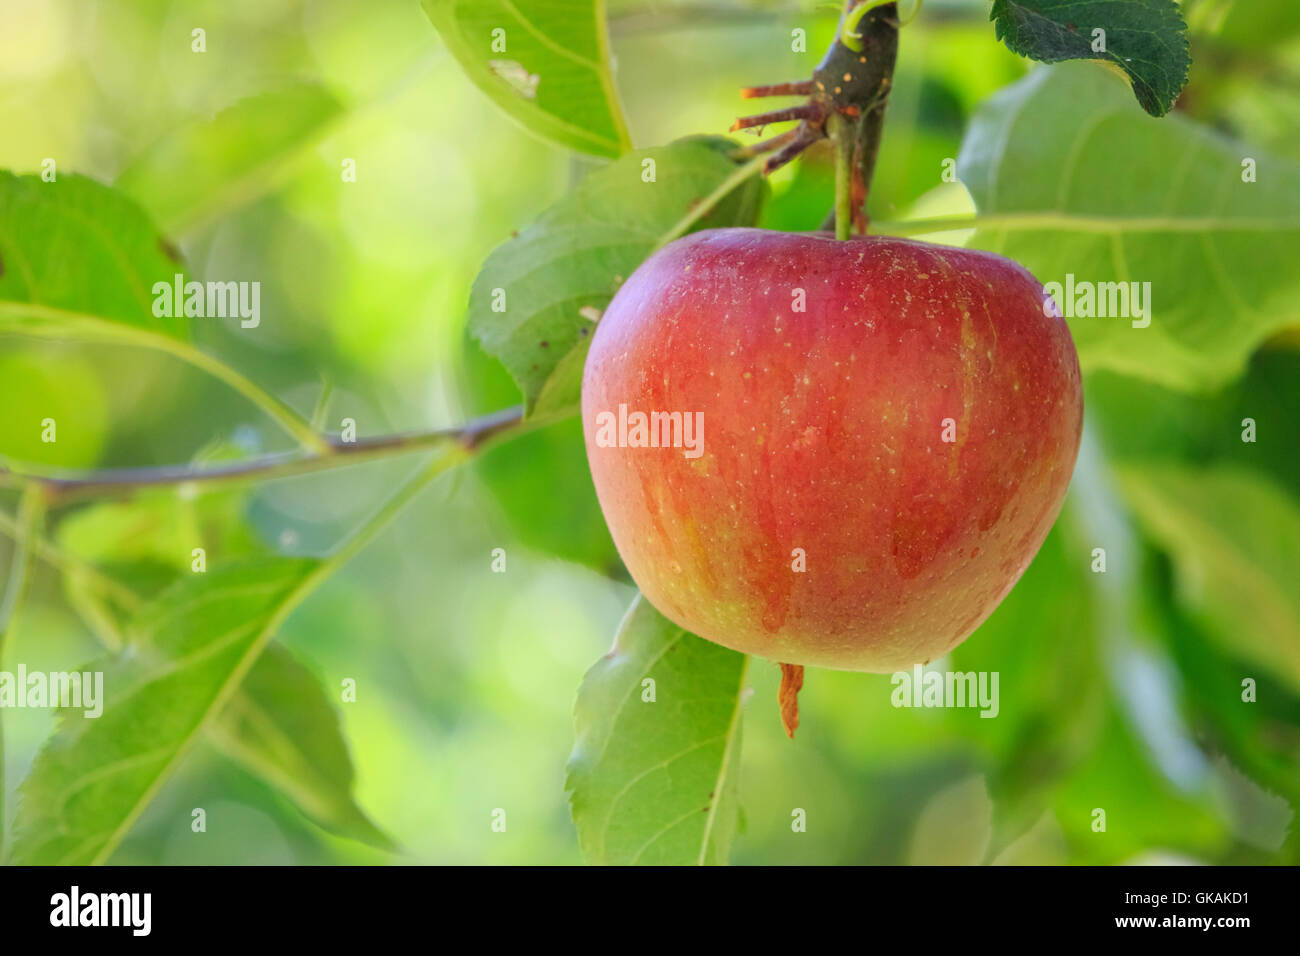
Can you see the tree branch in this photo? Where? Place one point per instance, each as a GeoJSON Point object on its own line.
{"type": "Point", "coordinates": [846, 101]}
{"type": "Point", "coordinates": [473, 436]}
{"type": "Point", "coordinates": [862, 59]}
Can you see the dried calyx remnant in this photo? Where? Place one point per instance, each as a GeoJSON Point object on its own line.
{"type": "Point", "coordinates": [788, 696]}
{"type": "Point", "coordinates": [852, 81]}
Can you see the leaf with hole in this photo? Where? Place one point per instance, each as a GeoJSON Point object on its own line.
{"type": "Point", "coordinates": [547, 64]}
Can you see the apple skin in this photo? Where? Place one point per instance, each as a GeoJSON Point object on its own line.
{"type": "Point", "coordinates": [823, 430]}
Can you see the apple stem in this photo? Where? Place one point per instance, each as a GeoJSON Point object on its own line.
{"type": "Point", "coordinates": [788, 696]}
{"type": "Point", "coordinates": [842, 135]}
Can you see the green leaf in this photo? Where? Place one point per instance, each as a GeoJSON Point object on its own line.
{"type": "Point", "coordinates": [527, 304]}
{"type": "Point", "coordinates": [158, 529]}
{"type": "Point", "coordinates": [1071, 179]}
{"type": "Point", "coordinates": [281, 725]}
{"type": "Point", "coordinates": [543, 486]}
{"type": "Point", "coordinates": [84, 251]}
{"type": "Point", "coordinates": [561, 391]}
{"type": "Point", "coordinates": [205, 168]}
{"type": "Point", "coordinates": [1031, 730]}
{"type": "Point", "coordinates": [79, 260]}
{"type": "Point", "coordinates": [1146, 39]}
{"type": "Point", "coordinates": [138, 547]}
{"type": "Point", "coordinates": [545, 62]}
{"type": "Point", "coordinates": [63, 387]}
{"type": "Point", "coordinates": [656, 782]}
{"type": "Point", "coordinates": [190, 650]}
{"type": "Point", "coordinates": [1234, 538]}
{"type": "Point", "coordinates": [1204, 427]}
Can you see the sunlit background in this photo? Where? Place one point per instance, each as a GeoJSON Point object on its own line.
{"type": "Point", "coordinates": [1116, 691]}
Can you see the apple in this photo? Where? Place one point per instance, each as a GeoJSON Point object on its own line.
{"type": "Point", "coordinates": [833, 453]}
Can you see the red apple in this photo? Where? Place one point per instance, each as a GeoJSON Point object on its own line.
{"type": "Point", "coordinates": [888, 430]}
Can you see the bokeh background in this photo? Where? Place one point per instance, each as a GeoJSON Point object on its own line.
{"type": "Point", "coordinates": [1120, 691]}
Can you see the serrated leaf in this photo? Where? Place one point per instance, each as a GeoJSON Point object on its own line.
{"type": "Point", "coordinates": [656, 782]}
{"type": "Point", "coordinates": [207, 167]}
{"type": "Point", "coordinates": [85, 251]}
{"type": "Point", "coordinates": [281, 726]}
{"type": "Point", "coordinates": [1072, 179]}
{"type": "Point", "coordinates": [575, 256]}
{"type": "Point", "coordinates": [1234, 539]}
{"type": "Point", "coordinates": [545, 62]}
{"type": "Point", "coordinates": [190, 649]}
{"type": "Point", "coordinates": [1147, 39]}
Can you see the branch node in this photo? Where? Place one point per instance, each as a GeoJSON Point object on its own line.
{"type": "Point", "coordinates": [852, 81]}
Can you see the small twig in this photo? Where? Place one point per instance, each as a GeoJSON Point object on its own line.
{"type": "Point", "coordinates": [767, 145]}
{"type": "Point", "coordinates": [795, 88]}
{"type": "Point", "coordinates": [802, 112]}
{"type": "Point", "coordinates": [804, 136]}
{"type": "Point", "coordinates": [69, 486]}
